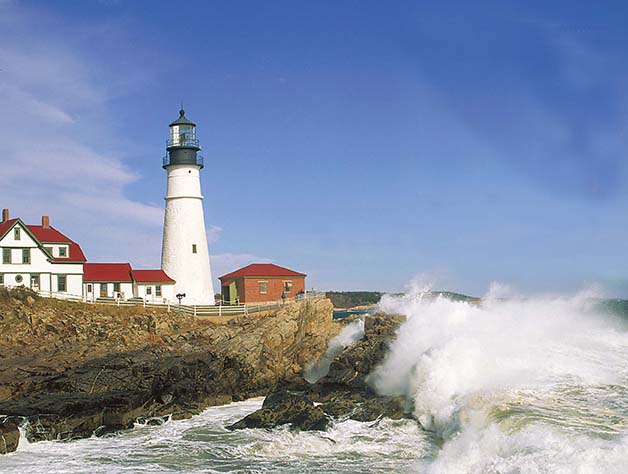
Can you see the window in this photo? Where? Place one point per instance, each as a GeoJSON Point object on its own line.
{"type": "Point", "coordinates": [35, 282]}
{"type": "Point", "coordinates": [19, 279]}
{"type": "Point", "coordinates": [116, 287]}
{"type": "Point", "coordinates": [90, 288]}
{"type": "Point", "coordinates": [63, 252]}
{"type": "Point", "coordinates": [26, 256]}
{"type": "Point", "coordinates": [103, 290]}
{"type": "Point", "coordinates": [16, 233]}
{"type": "Point", "coordinates": [1, 278]}
{"type": "Point", "coordinates": [263, 287]}
{"type": "Point", "coordinates": [287, 286]}
{"type": "Point", "coordinates": [149, 290]}
{"type": "Point", "coordinates": [193, 248]}
{"type": "Point", "coordinates": [6, 255]}
{"type": "Point", "coordinates": [62, 283]}
{"type": "Point", "coordinates": [158, 290]}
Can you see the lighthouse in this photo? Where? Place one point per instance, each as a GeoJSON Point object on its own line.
{"type": "Point", "coordinates": [184, 253]}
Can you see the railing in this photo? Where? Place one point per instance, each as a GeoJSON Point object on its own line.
{"type": "Point", "coordinates": [182, 140]}
{"type": "Point", "coordinates": [200, 161]}
{"type": "Point", "coordinates": [196, 310]}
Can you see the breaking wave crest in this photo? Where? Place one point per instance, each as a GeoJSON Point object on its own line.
{"type": "Point", "coordinates": [513, 384]}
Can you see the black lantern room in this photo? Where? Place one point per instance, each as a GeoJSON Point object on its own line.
{"type": "Point", "coordinates": [182, 146]}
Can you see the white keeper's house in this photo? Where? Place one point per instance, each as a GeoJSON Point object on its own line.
{"type": "Point", "coordinates": [42, 258]}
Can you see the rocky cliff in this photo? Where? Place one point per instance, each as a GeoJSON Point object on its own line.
{"type": "Point", "coordinates": [343, 393]}
{"type": "Point", "coordinates": [71, 369]}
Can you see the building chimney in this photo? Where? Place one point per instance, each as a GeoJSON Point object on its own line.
{"type": "Point", "coordinates": [45, 222]}
{"type": "Point", "coordinates": [5, 215]}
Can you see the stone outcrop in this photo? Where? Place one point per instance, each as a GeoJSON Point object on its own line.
{"type": "Point", "coordinates": [286, 407]}
{"type": "Point", "coordinates": [344, 393]}
{"type": "Point", "coordinates": [9, 436]}
{"type": "Point", "coordinates": [68, 370]}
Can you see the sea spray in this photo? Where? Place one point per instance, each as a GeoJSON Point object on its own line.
{"type": "Point", "coordinates": [494, 379]}
{"type": "Point", "coordinates": [351, 333]}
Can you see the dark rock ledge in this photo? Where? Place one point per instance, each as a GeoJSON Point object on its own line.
{"type": "Point", "coordinates": [344, 393]}
{"type": "Point", "coordinates": [100, 369]}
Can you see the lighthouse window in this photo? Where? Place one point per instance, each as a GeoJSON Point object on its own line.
{"type": "Point", "coordinates": [193, 248]}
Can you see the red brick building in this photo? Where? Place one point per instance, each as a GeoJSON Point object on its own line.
{"type": "Point", "coordinates": [260, 282]}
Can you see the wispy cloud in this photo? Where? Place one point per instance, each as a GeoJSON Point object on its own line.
{"type": "Point", "coordinates": [47, 165]}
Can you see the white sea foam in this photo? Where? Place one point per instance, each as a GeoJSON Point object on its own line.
{"type": "Point", "coordinates": [514, 384]}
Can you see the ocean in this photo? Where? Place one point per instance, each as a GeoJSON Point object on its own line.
{"type": "Point", "coordinates": [512, 386]}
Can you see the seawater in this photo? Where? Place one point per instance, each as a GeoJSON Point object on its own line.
{"type": "Point", "coordinates": [202, 445]}
{"type": "Point", "coordinates": [512, 386]}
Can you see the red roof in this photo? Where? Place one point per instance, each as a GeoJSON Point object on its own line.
{"type": "Point", "coordinates": [151, 276]}
{"type": "Point", "coordinates": [227, 282]}
{"type": "Point", "coordinates": [107, 272]}
{"type": "Point", "coordinates": [262, 270]}
{"type": "Point", "coordinates": [49, 235]}
{"type": "Point", "coordinates": [5, 226]}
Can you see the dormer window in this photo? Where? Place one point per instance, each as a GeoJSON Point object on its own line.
{"type": "Point", "coordinates": [63, 252]}
{"type": "Point", "coordinates": [17, 234]}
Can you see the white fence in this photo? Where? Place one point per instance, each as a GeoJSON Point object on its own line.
{"type": "Point", "coordinates": [196, 310]}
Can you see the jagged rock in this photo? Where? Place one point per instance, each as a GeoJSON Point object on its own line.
{"type": "Point", "coordinates": [364, 407]}
{"type": "Point", "coordinates": [351, 368]}
{"type": "Point", "coordinates": [9, 437]}
{"type": "Point", "coordinates": [342, 394]}
{"type": "Point", "coordinates": [285, 407]}
{"type": "Point", "coordinates": [103, 367]}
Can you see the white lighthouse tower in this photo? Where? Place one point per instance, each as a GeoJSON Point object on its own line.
{"type": "Point", "coordinates": [184, 254]}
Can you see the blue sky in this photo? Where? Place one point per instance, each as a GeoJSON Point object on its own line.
{"type": "Point", "coordinates": [364, 143]}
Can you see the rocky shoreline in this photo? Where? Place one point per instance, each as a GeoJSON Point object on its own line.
{"type": "Point", "coordinates": [69, 370]}
{"type": "Point", "coordinates": [344, 393]}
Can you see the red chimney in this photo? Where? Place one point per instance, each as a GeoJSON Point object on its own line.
{"type": "Point", "coordinates": [5, 215]}
{"type": "Point", "coordinates": [45, 222]}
